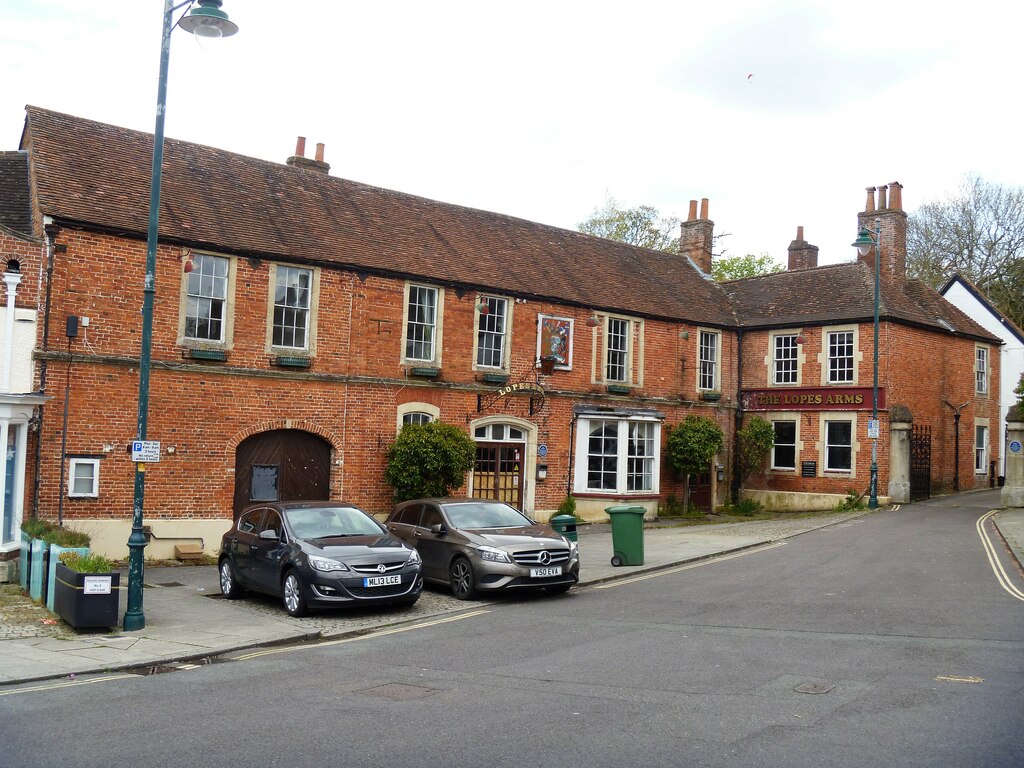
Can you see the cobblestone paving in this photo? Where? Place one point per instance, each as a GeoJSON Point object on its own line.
{"type": "Point", "coordinates": [20, 617]}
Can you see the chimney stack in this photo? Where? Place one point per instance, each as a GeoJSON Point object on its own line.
{"type": "Point", "coordinates": [802, 255]}
{"type": "Point", "coordinates": [299, 159]}
{"type": "Point", "coordinates": [697, 236]}
{"type": "Point", "coordinates": [892, 223]}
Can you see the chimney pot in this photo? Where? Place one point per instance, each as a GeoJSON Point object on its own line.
{"type": "Point", "coordinates": [703, 207]}
{"type": "Point", "coordinates": [869, 206]}
{"type": "Point", "coordinates": [300, 147]}
{"type": "Point", "coordinates": [896, 196]}
{"type": "Point", "coordinates": [320, 152]}
{"type": "Point", "coordinates": [882, 204]}
{"type": "Point", "coordinates": [799, 233]}
{"type": "Point", "coordinates": [693, 211]}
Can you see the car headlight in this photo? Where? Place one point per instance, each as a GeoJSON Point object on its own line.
{"type": "Point", "coordinates": [414, 558]}
{"type": "Point", "coordinates": [574, 548]}
{"type": "Point", "coordinates": [494, 555]}
{"type": "Point", "coordinates": [326, 564]}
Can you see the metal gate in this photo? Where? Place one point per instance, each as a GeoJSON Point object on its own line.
{"type": "Point", "coordinates": [498, 473]}
{"type": "Point", "coordinates": [920, 463]}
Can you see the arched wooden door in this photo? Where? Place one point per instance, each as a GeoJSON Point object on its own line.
{"type": "Point", "coordinates": [281, 465]}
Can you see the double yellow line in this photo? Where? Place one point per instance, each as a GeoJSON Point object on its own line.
{"type": "Point", "coordinates": [993, 558]}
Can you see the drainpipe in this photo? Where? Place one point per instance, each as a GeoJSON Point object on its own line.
{"type": "Point", "coordinates": [736, 479]}
{"type": "Point", "coordinates": [50, 232]}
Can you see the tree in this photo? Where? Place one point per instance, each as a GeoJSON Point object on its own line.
{"type": "Point", "coordinates": [737, 267]}
{"type": "Point", "coordinates": [978, 233]}
{"type": "Point", "coordinates": [428, 460]}
{"type": "Point", "coordinates": [754, 443]}
{"type": "Point", "coordinates": [643, 226]}
{"type": "Point", "coordinates": [692, 446]}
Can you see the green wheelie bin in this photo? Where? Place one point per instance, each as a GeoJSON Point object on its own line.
{"type": "Point", "coordinates": [627, 534]}
{"type": "Point", "coordinates": [565, 525]}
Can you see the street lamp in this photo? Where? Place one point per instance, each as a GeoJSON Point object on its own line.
{"type": "Point", "coordinates": [863, 244]}
{"type": "Point", "coordinates": [209, 21]}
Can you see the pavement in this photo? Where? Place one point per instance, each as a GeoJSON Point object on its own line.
{"type": "Point", "coordinates": [188, 622]}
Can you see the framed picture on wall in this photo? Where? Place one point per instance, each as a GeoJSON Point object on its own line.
{"type": "Point", "coordinates": [554, 339]}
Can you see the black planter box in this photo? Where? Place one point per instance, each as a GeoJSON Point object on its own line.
{"type": "Point", "coordinates": [79, 605]}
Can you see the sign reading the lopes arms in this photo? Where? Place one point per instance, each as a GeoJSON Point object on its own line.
{"type": "Point", "coordinates": [810, 399]}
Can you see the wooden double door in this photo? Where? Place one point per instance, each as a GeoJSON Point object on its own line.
{"type": "Point", "coordinates": [499, 472]}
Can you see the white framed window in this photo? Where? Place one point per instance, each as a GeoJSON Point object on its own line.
{"type": "Point", "coordinates": [784, 448]}
{"type": "Point", "coordinates": [499, 433]}
{"type": "Point", "coordinates": [838, 445]}
{"type": "Point", "coordinates": [708, 361]}
{"type": "Point", "coordinates": [84, 478]}
{"type": "Point", "coordinates": [292, 307]}
{"type": "Point", "coordinates": [492, 332]}
{"type": "Point", "coordinates": [841, 357]}
{"type": "Point", "coordinates": [616, 455]}
{"type": "Point", "coordinates": [422, 323]}
{"type": "Point", "coordinates": [207, 298]}
{"type": "Point", "coordinates": [617, 338]}
{"type": "Point", "coordinates": [981, 370]}
{"type": "Point", "coordinates": [981, 449]}
{"type": "Point", "coordinates": [416, 413]}
{"type": "Point", "coordinates": [785, 359]}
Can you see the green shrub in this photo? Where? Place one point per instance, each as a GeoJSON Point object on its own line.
{"type": "Point", "coordinates": [86, 563]}
{"type": "Point", "coordinates": [852, 502]}
{"type": "Point", "coordinates": [567, 507]}
{"type": "Point", "coordinates": [428, 460]}
{"type": "Point", "coordinates": [54, 534]}
{"type": "Point", "coordinates": [755, 443]}
{"type": "Point", "coordinates": [693, 444]}
{"type": "Point", "coordinates": [672, 507]}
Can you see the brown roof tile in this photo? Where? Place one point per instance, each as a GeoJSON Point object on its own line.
{"type": "Point", "coordinates": [15, 206]}
{"type": "Point", "coordinates": [98, 175]}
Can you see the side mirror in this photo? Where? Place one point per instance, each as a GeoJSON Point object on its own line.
{"type": "Point", "coordinates": [438, 529]}
{"type": "Point", "coordinates": [269, 535]}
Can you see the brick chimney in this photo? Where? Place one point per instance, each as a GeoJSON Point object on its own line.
{"type": "Point", "coordinates": [697, 235]}
{"type": "Point", "coordinates": [802, 255]}
{"type": "Point", "coordinates": [884, 207]}
{"type": "Point", "coordinates": [299, 159]}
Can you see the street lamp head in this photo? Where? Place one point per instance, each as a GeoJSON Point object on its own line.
{"type": "Point", "coordinates": [864, 242]}
{"type": "Point", "coordinates": [208, 20]}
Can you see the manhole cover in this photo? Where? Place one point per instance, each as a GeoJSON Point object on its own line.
{"type": "Point", "coordinates": [814, 688]}
{"type": "Point", "coordinates": [399, 692]}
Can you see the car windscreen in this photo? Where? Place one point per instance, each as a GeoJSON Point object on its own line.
{"type": "Point", "coordinates": [473, 515]}
{"type": "Point", "coordinates": [327, 522]}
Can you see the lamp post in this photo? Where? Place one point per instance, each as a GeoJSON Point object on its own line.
{"type": "Point", "coordinates": [209, 21]}
{"type": "Point", "coordinates": [863, 244]}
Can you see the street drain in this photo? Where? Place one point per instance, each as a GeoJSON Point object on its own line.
{"type": "Point", "coordinates": [176, 666]}
{"type": "Point", "coordinates": [814, 688]}
{"type": "Point", "coordinates": [399, 692]}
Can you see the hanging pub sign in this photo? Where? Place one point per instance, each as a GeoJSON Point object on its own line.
{"type": "Point", "coordinates": [529, 388]}
{"type": "Point", "coordinates": [811, 399]}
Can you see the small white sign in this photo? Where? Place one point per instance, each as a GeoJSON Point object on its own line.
{"type": "Point", "coordinates": [96, 585]}
{"type": "Point", "coordinates": [146, 451]}
{"type": "Point", "coordinates": [873, 428]}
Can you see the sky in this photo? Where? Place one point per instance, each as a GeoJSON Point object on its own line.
{"type": "Point", "coordinates": [780, 112]}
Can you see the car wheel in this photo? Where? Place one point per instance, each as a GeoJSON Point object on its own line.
{"type": "Point", "coordinates": [558, 589]}
{"type": "Point", "coordinates": [293, 595]}
{"type": "Point", "coordinates": [462, 579]}
{"type": "Point", "coordinates": [228, 584]}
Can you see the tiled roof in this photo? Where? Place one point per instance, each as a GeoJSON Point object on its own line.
{"type": "Point", "coordinates": [15, 208]}
{"type": "Point", "coordinates": [98, 175]}
{"type": "Point", "coordinates": [843, 293]}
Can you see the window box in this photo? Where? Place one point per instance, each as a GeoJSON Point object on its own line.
{"type": "Point", "coordinates": [711, 396]}
{"type": "Point", "coordinates": [216, 355]}
{"type": "Point", "coordinates": [427, 373]}
{"type": "Point", "coordinates": [292, 362]}
{"type": "Point", "coordinates": [618, 389]}
{"type": "Point", "coordinates": [495, 378]}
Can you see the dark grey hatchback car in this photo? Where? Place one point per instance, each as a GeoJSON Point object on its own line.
{"type": "Point", "coordinates": [317, 554]}
{"type": "Point", "coordinates": [480, 545]}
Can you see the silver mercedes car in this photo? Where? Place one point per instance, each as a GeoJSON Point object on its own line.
{"type": "Point", "coordinates": [481, 545]}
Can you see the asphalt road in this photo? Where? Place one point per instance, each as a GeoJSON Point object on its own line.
{"type": "Point", "coordinates": [884, 641]}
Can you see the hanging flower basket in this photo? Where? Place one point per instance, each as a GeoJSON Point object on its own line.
{"type": "Point", "coordinates": [547, 365]}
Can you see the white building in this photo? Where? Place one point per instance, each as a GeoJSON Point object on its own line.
{"type": "Point", "coordinates": [969, 299]}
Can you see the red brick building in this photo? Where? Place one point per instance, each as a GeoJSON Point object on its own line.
{"type": "Point", "coordinates": [300, 319]}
